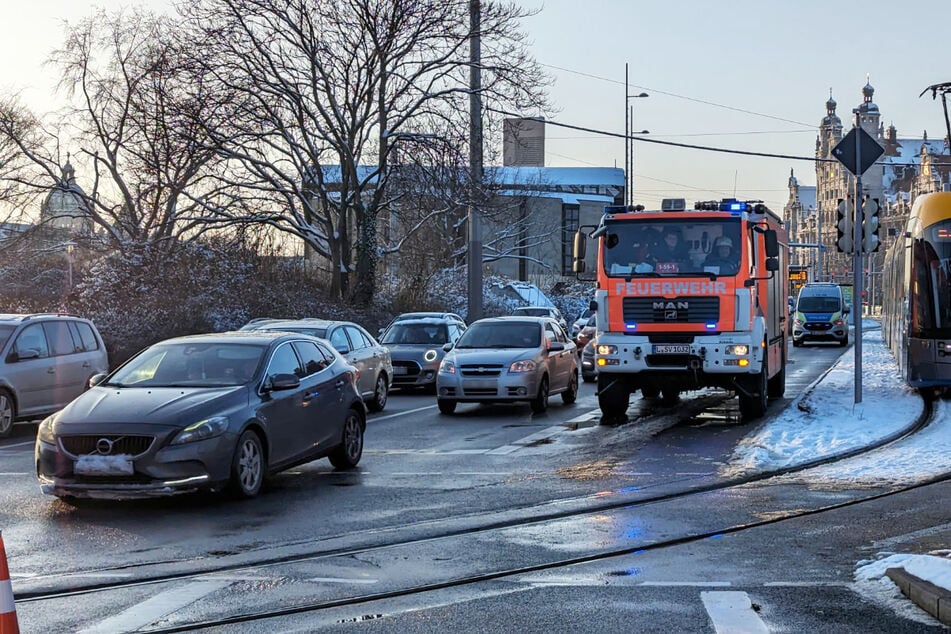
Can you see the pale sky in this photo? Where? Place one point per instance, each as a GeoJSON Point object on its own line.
{"type": "Point", "coordinates": [748, 75]}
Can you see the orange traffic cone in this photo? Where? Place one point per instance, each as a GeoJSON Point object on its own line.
{"type": "Point", "coordinates": [8, 611]}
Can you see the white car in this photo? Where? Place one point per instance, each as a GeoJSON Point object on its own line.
{"type": "Point", "coordinates": [542, 311]}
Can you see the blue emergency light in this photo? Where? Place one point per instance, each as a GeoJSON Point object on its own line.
{"type": "Point", "coordinates": [712, 326]}
{"type": "Point", "coordinates": [631, 326]}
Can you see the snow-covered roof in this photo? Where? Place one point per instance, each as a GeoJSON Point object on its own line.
{"type": "Point", "coordinates": [523, 175]}
{"type": "Point", "coordinates": [529, 293]}
{"type": "Point", "coordinates": [909, 150]}
{"type": "Point", "coordinates": [566, 199]}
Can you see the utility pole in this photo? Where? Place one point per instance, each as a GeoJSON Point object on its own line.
{"type": "Point", "coordinates": [474, 259]}
{"type": "Point", "coordinates": [857, 272]}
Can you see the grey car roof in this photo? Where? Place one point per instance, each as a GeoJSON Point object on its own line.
{"type": "Point", "coordinates": [236, 336]}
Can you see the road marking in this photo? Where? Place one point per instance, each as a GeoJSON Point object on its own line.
{"type": "Point", "coordinates": [159, 606]}
{"type": "Point", "coordinates": [26, 443]}
{"type": "Point", "coordinates": [339, 580]}
{"type": "Point", "coordinates": [15, 473]}
{"type": "Point", "coordinates": [395, 414]}
{"type": "Point", "coordinates": [900, 539]}
{"type": "Point", "coordinates": [732, 612]}
{"type": "Point", "coordinates": [103, 575]}
{"type": "Point", "coordinates": [806, 584]}
{"type": "Point", "coordinates": [688, 584]}
{"type": "Point", "coordinates": [528, 440]}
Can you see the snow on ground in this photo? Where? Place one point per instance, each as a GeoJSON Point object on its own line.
{"type": "Point", "coordinates": [825, 420]}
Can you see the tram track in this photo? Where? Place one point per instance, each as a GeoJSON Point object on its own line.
{"type": "Point", "coordinates": [426, 533]}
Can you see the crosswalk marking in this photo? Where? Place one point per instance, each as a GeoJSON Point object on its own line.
{"type": "Point", "coordinates": [732, 613]}
{"type": "Point", "coordinates": [151, 610]}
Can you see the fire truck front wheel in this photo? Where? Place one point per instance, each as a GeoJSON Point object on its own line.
{"type": "Point", "coordinates": [754, 396]}
{"type": "Point", "coordinates": [614, 393]}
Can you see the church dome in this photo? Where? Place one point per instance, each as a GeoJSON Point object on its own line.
{"type": "Point", "coordinates": [65, 206]}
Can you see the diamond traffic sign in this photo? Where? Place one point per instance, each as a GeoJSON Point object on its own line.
{"type": "Point", "coordinates": [845, 151]}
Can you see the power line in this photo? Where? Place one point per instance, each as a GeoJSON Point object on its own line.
{"type": "Point", "coordinates": [644, 139]}
{"type": "Point", "coordinates": [671, 94]}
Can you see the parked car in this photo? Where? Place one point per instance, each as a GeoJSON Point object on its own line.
{"type": "Point", "coordinates": [587, 333]}
{"type": "Point", "coordinates": [589, 371]}
{"type": "Point", "coordinates": [356, 345]}
{"type": "Point", "coordinates": [509, 359]}
{"type": "Point", "coordinates": [424, 315]}
{"type": "Point", "coordinates": [204, 412]}
{"type": "Point", "coordinates": [579, 323]}
{"type": "Point", "coordinates": [541, 311]}
{"type": "Point", "coordinates": [416, 348]}
{"type": "Point", "coordinates": [46, 360]}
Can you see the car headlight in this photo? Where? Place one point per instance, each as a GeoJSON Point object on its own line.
{"type": "Point", "coordinates": [202, 430]}
{"type": "Point", "coordinates": [45, 431]}
{"type": "Point", "coordinates": [525, 365]}
{"type": "Point", "coordinates": [430, 355]}
{"type": "Point", "coordinates": [447, 367]}
{"type": "Point", "coordinates": [798, 322]}
{"type": "Point", "coordinates": [739, 350]}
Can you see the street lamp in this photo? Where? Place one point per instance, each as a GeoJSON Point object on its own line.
{"type": "Point", "coordinates": [628, 144]}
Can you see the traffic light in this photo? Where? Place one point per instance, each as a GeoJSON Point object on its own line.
{"type": "Point", "coordinates": [870, 225]}
{"type": "Point", "coordinates": [844, 239]}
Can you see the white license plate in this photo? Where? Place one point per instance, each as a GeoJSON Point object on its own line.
{"type": "Point", "coordinates": [400, 370]}
{"type": "Point", "coordinates": [103, 465]}
{"type": "Point", "coordinates": [681, 348]}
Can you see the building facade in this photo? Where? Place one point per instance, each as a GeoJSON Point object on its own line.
{"type": "Point", "coordinates": [908, 168]}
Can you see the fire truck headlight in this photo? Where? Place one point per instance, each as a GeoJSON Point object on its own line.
{"type": "Point", "coordinates": [739, 350]}
{"type": "Point", "coordinates": [606, 349]}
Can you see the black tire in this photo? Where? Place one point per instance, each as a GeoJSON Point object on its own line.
{"type": "Point", "coordinates": [380, 393]}
{"type": "Point", "coordinates": [844, 342]}
{"type": "Point", "coordinates": [776, 386]}
{"type": "Point", "coordinates": [446, 406]}
{"type": "Point", "coordinates": [797, 343]}
{"type": "Point", "coordinates": [670, 396]}
{"type": "Point", "coordinates": [613, 397]}
{"type": "Point", "coordinates": [347, 455]}
{"type": "Point", "coordinates": [570, 395]}
{"type": "Point", "coordinates": [754, 405]}
{"type": "Point", "coordinates": [589, 378]}
{"type": "Point", "coordinates": [650, 391]}
{"type": "Point", "coordinates": [540, 402]}
{"type": "Point", "coordinates": [248, 466]}
{"type": "Point", "coordinates": [8, 413]}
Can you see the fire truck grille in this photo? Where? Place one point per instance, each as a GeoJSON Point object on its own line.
{"type": "Point", "coordinates": [683, 310]}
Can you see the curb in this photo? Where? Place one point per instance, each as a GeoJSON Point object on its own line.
{"type": "Point", "coordinates": [932, 599]}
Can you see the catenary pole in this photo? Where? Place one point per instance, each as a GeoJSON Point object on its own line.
{"type": "Point", "coordinates": [857, 263]}
{"type": "Point", "coordinates": [474, 259]}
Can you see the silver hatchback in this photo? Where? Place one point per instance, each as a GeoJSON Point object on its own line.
{"type": "Point", "coordinates": [46, 360]}
{"type": "Point", "coordinates": [509, 359]}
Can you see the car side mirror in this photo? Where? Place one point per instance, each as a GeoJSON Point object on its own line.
{"type": "Point", "coordinates": [556, 346]}
{"type": "Point", "coordinates": [448, 346]}
{"type": "Point", "coordinates": [284, 381]}
{"type": "Point", "coordinates": [96, 379]}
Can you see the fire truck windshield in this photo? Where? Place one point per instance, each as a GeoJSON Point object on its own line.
{"type": "Point", "coordinates": [677, 247]}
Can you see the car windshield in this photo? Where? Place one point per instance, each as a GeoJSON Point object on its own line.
{"type": "Point", "coordinates": [819, 304]}
{"type": "Point", "coordinates": [501, 335]}
{"type": "Point", "coordinates": [191, 364]}
{"type": "Point", "coordinates": [5, 332]}
{"type": "Point", "coordinates": [422, 334]}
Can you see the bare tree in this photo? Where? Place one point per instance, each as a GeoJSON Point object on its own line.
{"type": "Point", "coordinates": [320, 87]}
{"type": "Point", "coordinates": [135, 101]}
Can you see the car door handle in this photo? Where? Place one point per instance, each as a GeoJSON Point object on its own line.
{"type": "Point", "coordinates": [51, 371]}
{"type": "Point", "coordinates": [309, 396]}
{"type": "Point", "coordinates": [87, 365]}
{"type": "Point", "coordinates": [340, 383]}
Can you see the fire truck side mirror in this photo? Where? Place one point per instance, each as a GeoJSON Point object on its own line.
{"type": "Point", "coordinates": [772, 246]}
{"type": "Point", "coordinates": [772, 264]}
{"type": "Point", "coordinates": [578, 265]}
{"type": "Point", "coordinates": [580, 245]}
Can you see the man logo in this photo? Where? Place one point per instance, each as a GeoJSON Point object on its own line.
{"type": "Point", "coordinates": [675, 306]}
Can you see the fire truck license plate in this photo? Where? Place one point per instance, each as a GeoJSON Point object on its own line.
{"type": "Point", "coordinates": [672, 349]}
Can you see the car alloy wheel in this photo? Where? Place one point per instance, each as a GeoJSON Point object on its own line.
{"type": "Point", "coordinates": [379, 394]}
{"type": "Point", "coordinates": [6, 413]}
{"type": "Point", "coordinates": [348, 454]}
{"type": "Point", "coordinates": [248, 465]}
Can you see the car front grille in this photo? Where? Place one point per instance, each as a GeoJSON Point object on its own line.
{"type": "Point", "coordinates": [484, 370]}
{"type": "Point", "coordinates": [693, 310]}
{"type": "Point", "coordinates": [106, 445]}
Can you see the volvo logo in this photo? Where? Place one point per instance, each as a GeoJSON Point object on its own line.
{"type": "Point", "coordinates": [104, 446]}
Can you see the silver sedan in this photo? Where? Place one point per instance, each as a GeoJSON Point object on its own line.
{"type": "Point", "coordinates": [509, 359]}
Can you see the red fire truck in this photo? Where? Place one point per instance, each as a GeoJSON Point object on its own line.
{"type": "Point", "coordinates": [688, 299]}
